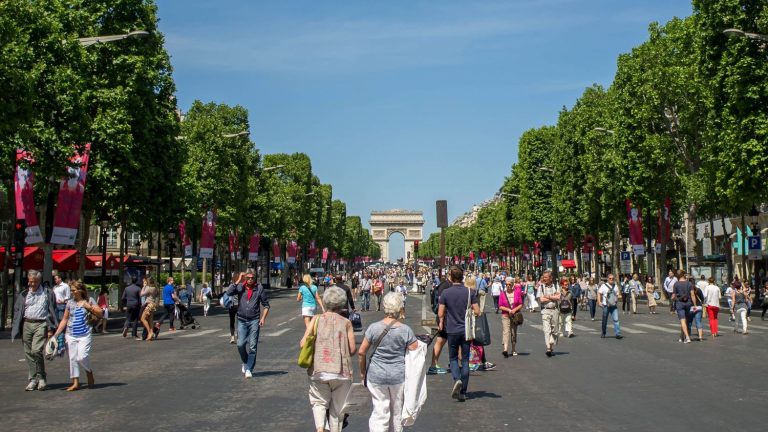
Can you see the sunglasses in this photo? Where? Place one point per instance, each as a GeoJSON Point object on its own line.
{"type": "Point", "coordinates": [250, 277]}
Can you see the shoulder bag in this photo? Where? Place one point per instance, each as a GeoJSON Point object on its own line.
{"type": "Point", "coordinates": [307, 352]}
{"type": "Point", "coordinates": [373, 351]}
{"type": "Point", "coordinates": [517, 317]}
{"type": "Point", "coordinates": [469, 319]}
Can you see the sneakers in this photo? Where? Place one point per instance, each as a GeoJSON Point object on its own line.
{"type": "Point", "coordinates": [462, 397]}
{"type": "Point", "coordinates": [489, 366]}
{"type": "Point", "coordinates": [435, 370]}
{"type": "Point", "coordinates": [41, 385]}
{"type": "Point", "coordinates": [456, 391]}
{"type": "Point", "coordinates": [244, 368]}
{"type": "Point", "coordinates": [474, 367]}
{"type": "Point", "coordinates": [231, 339]}
{"type": "Point", "coordinates": [687, 341]}
{"type": "Point", "coordinates": [619, 337]}
{"type": "Point", "coordinates": [505, 354]}
{"type": "Point", "coordinates": [32, 386]}
{"type": "Point", "coordinates": [248, 374]}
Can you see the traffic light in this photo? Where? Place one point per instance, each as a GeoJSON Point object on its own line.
{"type": "Point", "coordinates": [19, 236]}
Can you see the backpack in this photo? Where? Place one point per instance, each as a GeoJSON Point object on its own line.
{"type": "Point", "coordinates": [610, 298]}
{"type": "Point", "coordinates": [565, 304]}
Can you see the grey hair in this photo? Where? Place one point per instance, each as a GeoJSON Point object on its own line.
{"type": "Point", "coordinates": [33, 274]}
{"type": "Point", "coordinates": [392, 303]}
{"type": "Point", "coordinates": [334, 299]}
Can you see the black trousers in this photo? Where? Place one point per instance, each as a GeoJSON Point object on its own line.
{"type": "Point", "coordinates": [132, 319]}
{"type": "Point", "coordinates": [232, 315]}
{"type": "Point", "coordinates": [170, 311]}
{"type": "Point", "coordinates": [626, 302]}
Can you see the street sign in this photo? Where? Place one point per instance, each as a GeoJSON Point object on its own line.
{"type": "Point", "coordinates": [706, 247]}
{"type": "Point", "coordinates": [626, 262]}
{"type": "Point", "coordinates": [585, 257]}
{"type": "Point", "coordinates": [755, 248]}
{"type": "Point", "coordinates": [638, 250]}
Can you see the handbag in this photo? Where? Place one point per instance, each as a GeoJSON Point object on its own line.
{"type": "Point", "coordinates": [307, 352]}
{"type": "Point", "coordinates": [517, 318]}
{"type": "Point", "coordinates": [357, 321]}
{"type": "Point", "coordinates": [482, 331]}
{"type": "Point", "coordinates": [469, 319]}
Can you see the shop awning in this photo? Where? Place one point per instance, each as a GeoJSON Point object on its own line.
{"type": "Point", "coordinates": [33, 258]}
{"type": "Point", "coordinates": [93, 262]}
{"type": "Point", "coordinates": [569, 264]}
{"type": "Point", "coordinates": [66, 259]}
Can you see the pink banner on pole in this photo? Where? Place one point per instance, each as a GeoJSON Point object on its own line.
{"type": "Point", "coordinates": [635, 222]}
{"type": "Point", "coordinates": [276, 251]}
{"type": "Point", "coordinates": [664, 225]}
{"type": "Point", "coordinates": [253, 249]}
{"type": "Point", "coordinates": [25, 198]}
{"type": "Point", "coordinates": [186, 243]}
{"type": "Point", "coordinates": [293, 251]}
{"type": "Point", "coordinates": [325, 255]}
{"type": "Point", "coordinates": [66, 221]}
{"type": "Point", "coordinates": [208, 238]}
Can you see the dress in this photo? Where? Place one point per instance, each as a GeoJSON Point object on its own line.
{"type": "Point", "coordinates": [649, 290]}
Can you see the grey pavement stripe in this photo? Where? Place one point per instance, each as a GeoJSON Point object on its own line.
{"type": "Point", "coordinates": [199, 333]}
{"type": "Point", "coordinates": [584, 328]}
{"type": "Point", "coordinates": [278, 333]}
{"type": "Point", "coordinates": [225, 334]}
{"type": "Point", "coordinates": [630, 330]}
{"type": "Point", "coordinates": [659, 328]}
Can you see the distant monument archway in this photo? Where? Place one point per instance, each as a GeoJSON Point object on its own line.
{"type": "Point", "coordinates": [406, 222]}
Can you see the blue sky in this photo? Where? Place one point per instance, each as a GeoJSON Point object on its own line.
{"type": "Point", "coordinates": [401, 103]}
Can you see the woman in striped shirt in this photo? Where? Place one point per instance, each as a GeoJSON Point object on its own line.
{"type": "Point", "coordinates": [78, 333]}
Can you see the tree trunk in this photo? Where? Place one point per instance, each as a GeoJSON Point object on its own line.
{"type": "Point", "coordinates": [615, 249]}
{"type": "Point", "coordinates": [690, 234]}
{"type": "Point", "coordinates": [85, 236]}
{"type": "Point", "coordinates": [729, 254]}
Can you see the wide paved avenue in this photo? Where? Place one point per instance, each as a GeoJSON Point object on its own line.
{"type": "Point", "coordinates": [190, 380]}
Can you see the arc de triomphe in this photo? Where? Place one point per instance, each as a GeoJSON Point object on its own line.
{"type": "Point", "coordinates": [387, 222]}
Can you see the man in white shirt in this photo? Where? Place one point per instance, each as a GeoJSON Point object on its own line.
{"type": "Point", "coordinates": [669, 286]}
{"type": "Point", "coordinates": [496, 292]}
{"type": "Point", "coordinates": [62, 292]}
{"type": "Point", "coordinates": [607, 298]}
{"type": "Point", "coordinates": [702, 283]}
{"type": "Point", "coordinates": [549, 295]}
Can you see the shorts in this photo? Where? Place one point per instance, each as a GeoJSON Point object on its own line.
{"type": "Point", "coordinates": [441, 333]}
{"type": "Point", "coordinates": [105, 313]}
{"type": "Point", "coordinates": [308, 311]}
{"type": "Point", "coordinates": [683, 309]}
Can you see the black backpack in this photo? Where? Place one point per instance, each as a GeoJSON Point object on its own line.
{"type": "Point", "coordinates": [565, 304]}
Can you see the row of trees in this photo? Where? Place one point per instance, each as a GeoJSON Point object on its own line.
{"type": "Point", "coordinates": [149, 168]}
{"type": "Point", "coordinates": [686, 117]}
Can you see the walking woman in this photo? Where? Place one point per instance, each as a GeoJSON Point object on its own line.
{"type": "Point", "coordinates": [740, 309]}
{"type": "Point", "coordinates": [682, 291]}
{"type": "Point", "coordinates": [386, 371]}
{"type": "Point", "coordinates": [149, 292]}
{"type": "Point", "coordinates": [697, 310]}
{"type": "Point", "coordinates": [592, 297]}
{"type": "Point", "coordinates": [510, 303]}
{"type": "Point", "coordinates": [78, 333]}
{"type": "Point", "coordinates": [330, 376]}
{"type": "Point", "coordinates": [530, 292]}
{"type": "Point", "coordinates": [650, 293]}
{"type": "Point", "coordinates": [626, 290]}
{"type": "Point", "coordinates": [205, 298]}
{"type": "Point", "coordinates": [104, 306]}
{"type": "Point", "coordinates": [712, 300]}
{"type": "Point", "coordinates": [309, 299]}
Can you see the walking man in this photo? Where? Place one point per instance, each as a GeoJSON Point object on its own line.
{"type": "Point", "coordinates": [548, 296]}
{"type": "Point", "coordinates": [669, 286]}
{"type": "Point", "coordinates": [170, 299]}
{"type": "Point", "coordinates": [34, 318]}
{"type": "Point", "coordinates": [251, 297]}
{"type": "Point", "coordinates": [366, 285]}
{"type": "Point", "coordinates": [63, 294]}
{"type": "Point", "coordinates": [607, 298]}
{"type": "Point", "coordinates": [454, 303]}
{"type": "Point", "coordinates": [131, 306]}
{"type": "Point", "coordinates": [441, 336]}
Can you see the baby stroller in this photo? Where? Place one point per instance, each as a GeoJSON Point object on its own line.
{"type": "Point", "coordinates": [185, 317]}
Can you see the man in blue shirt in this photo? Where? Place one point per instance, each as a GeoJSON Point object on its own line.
{"type": "Point", "coordinates": [454, 302]}
{"type": "Point", "coordinates": [169, 303]}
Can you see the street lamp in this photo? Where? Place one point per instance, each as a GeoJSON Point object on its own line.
{"type": "Point", "coordinates": [738, 33]}
{"type": "Point", "coordinates": [171, 247]}
{"type": "Point", "coordinates": [235, 135]}
{"type": "Point", "coordinates": [104, 220]}
{"type": "Point", "coordinates": [604, 130]}
{"type": "Point", "coordinates": [272, 168]}
{"type": "Point", "coordinates": [510, 195]}
{"type": "Point", "coordinates": [309, 194]}
{"type": "Point", "coordinates": [88, 41]}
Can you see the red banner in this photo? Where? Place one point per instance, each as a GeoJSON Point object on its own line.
{"type": "Point", "coordinates": [324, 257]}
{"type": "Point", "coordinates": [66, 221]}
{"type": "Point", "coordinates": [526, 252]}
{"type": "Point", "coordinates": [25, 198]}
{"type": "Point", "coordinates": [293, 251]}
{"type": "Point", "coordinates": [512, 252]}
{"type": "Point", "coordinates": [208, 239]}
{"type": "Point", "coordinates": [569, 246]}
{"type": "Point", "coordinates": [664, 227]}
{"type": "Point", "coordinates": [313, 250]}
{"type": "Point", "coordinates": [276, 251]}
{"type": "Point", "coordinates": [253, 249]}
{"type": "Point", "coordinates": [635, 221]}
{"type": "Point", "coordinates": [589, 241]}
{"type": "Point", "coordinates": [186, 243]}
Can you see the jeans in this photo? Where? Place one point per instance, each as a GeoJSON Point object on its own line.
{"type": "Point", "coordinates": [613, 311]}
{"type": "Point", "coordinates": [696, 319]}
{"type": "Point", "coordinates": [456, 342]}
{"type": "Point", "coordinates": [366, 296]}
{"type": "Point", "coordinates": [592, 307]}
{"type": "Point", "coordinates": [170, 311]}
{"type": "Point", "coordinates": [378, 301]}
{"type": "Point", "coordinates": [248, 331]}
{"type": "Point", "coordinates": [132, 319]}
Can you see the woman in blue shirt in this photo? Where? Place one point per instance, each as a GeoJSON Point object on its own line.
{"type": "Point", "coordinates": [78, 333]}
{"type": "Point", "coordinates": [309, 299]}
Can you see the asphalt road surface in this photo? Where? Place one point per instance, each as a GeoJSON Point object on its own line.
{"type": "Point", "coordinates": [190, 380]}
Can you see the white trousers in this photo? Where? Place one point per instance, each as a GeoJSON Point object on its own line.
{"type": "Point", "coordinates": [328, 396]}
{"type": "Point", "coordinates": [565, 320]}
{"type": "Point", "coordinates": [79, 348]}
{"type": "Point", "coordinates": [387, 408]}
{"type": "Point", "coordinates": [741, 315]}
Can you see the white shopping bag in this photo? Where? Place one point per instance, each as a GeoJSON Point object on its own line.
{"type": "Point", "coordinates": [358, 402]}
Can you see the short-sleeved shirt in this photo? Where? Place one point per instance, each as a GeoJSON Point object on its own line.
{"type": "Point", "coordinates": [604, 289]}
{"type": "Point", "coordinates": [168, 294]}
{"type": "Point", "coordinates": [387, 365]}
{"type": "Point", "coordinates": [62, 292]}
{"type": "Point", "coordinates": [455, 300]}
{"type": "Point", "coordinates": [77, 324]}
{"type": "Point", "coordinates": [682, 291]}
{"type": "Point", "coordinates": [308, 296]}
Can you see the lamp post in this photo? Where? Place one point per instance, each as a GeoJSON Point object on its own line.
{"type": "Point", "coordinates": [171, 247]}
{"type": "Point", "coordinates": [551, 242]}
{"type": "Point", "coordinates": [104, 224]}
{"type": "Point", "coordinates": [754, 215]}
{"type": "Point", "coordinates": [738, 33]}
{"type": "Point", "coordinates": [88, 41]}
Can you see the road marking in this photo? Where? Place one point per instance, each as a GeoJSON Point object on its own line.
{"type": "Point", "coordinates": [278, 333]}
{"type": "Point", "coordinates": [200, 333]}
{"type": "Point", "coordinates": [225, 335]}
{"type": "Point", "coordinates": [630, 330]}
{"type": "Point", "coordinates": [659, 328]}
{"type": "Point", "coordinates": [584, 328]}
{"type": "Point", "coordinates": [537, 326]}
{"type": "Point", "coordinates": [293, 318]}
{"type": "Point", "coordinates": [282, 323]}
